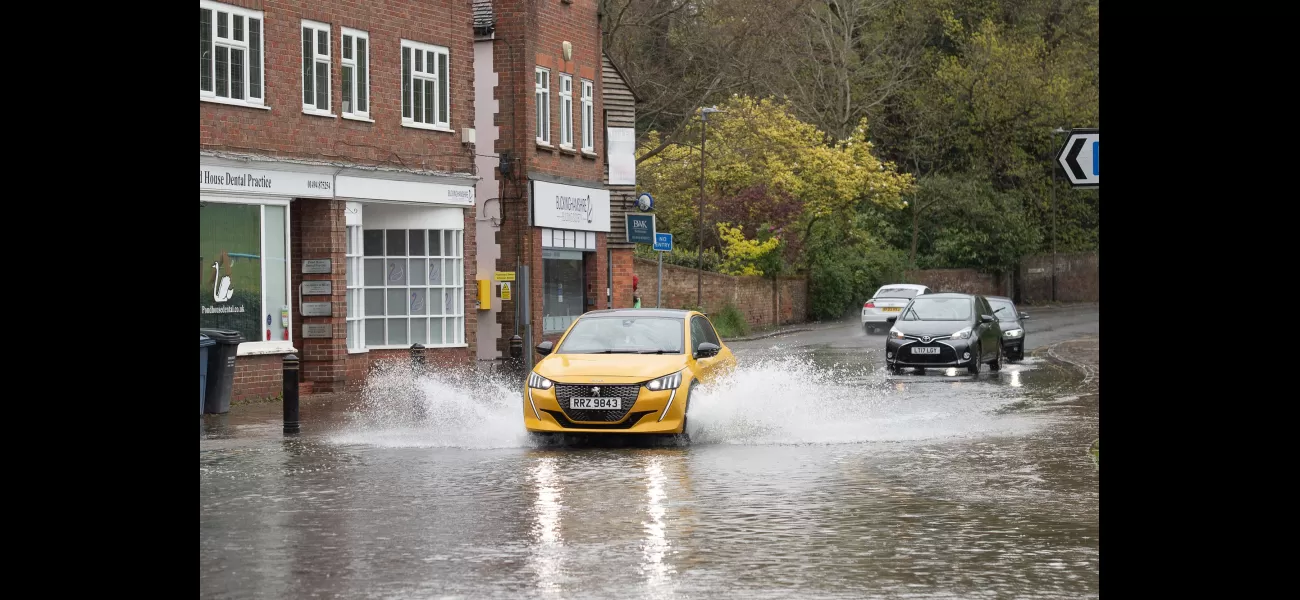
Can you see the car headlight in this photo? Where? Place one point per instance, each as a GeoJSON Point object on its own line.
{"type": "Point", "coordinates": [538, 382]}
{"type": "Point", "coordinates": [1013, 333]}
{"type": "Point", "coordinates": [964, 334]}
{"type": "Point", "coordinates": [667, 382]}
{"type": "Point", "coordinates": [896, 334]}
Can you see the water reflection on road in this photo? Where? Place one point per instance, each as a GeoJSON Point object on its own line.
{"type": "Point", "coordinates": [812, 473]}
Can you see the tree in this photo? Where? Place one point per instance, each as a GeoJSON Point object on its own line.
{"type": "Point", "coordinates": [761, 145]}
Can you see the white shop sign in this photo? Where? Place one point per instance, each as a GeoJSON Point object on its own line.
{"type": "Point", "coordinates": [368, 188]}
{"type": "Point", "coordinates": [622, 156]}
{"type": "Point", "coordinates": [216, 178]}
{"type": "Point", "coordinates": [570, 207]}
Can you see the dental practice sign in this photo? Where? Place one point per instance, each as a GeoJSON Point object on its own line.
{"type": "Point", "coordinates": [570, 207]}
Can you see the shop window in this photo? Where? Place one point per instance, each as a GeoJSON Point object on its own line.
{"type": "Point", "coordinates": [356, 73]}
{"type": "Point", "coordinates": [414, 287]}
{"type": "Point", "coordinates": [356, 295]}
{"type": "Point", "coordinates": [424, 86]}
{"type": "Point", "coordinates": [564, 295]}
{"type": "Point", "coordinates": [230, 54]}
{"type": "Point", "coordinates": [243, 272]}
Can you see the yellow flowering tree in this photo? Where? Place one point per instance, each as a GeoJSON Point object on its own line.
{"type": "Point", "coordinates": [758, 144]}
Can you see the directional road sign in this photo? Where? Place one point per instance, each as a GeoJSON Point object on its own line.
{"type": "Point", "coordinates": [1079, 157]}
{"type": "Point", "coordinates": [663, 242]}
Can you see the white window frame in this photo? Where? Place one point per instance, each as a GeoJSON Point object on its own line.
{"type": "Point", "coordinates": [415, 54]}
{"type": "Point", "coordinates": [360, 64]}
{"type": "Point", "coordinates": [316, 59]}
{"type": "Point", "coordinates": [356, 297]}
{"type": "Point", "coordinates": [453, 323]}
{"type": "Point", "coordinates": [566, 110]}
{"type": "Point", "coordinates": [588, 118]}
{"type": "Point", "coordinates": [248, 46]}
{"type": "Point", "coordinates": [273, 346]}
{"type": "Point", "coordinates": [542, 97]}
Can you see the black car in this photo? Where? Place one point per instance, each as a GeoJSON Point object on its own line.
{"type": "Point", "coordinates": [944, 330]}
{"type": "Point", "coordinates": [1013, 327]}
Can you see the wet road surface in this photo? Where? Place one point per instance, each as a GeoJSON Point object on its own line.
{"type": "Point", "coordinates": [811, 474]}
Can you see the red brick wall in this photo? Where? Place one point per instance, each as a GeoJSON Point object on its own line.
{"type": "Point", "coordinates": [753, 296]}
{"type": "Point", "coordinates": [966, 281]}
{"type": "Point", "coordinates": [529, 34]}
{"type": "Point", "coordinates": [286, 131]}
{"type": "Point", "coordinates": [318, 231]}
{"type": "Point", "coordinates": [623, 272]}
{"type": "Point", "coordinates": [1078, 278]}
{"type": "Point", "coordinates": [258, 377]}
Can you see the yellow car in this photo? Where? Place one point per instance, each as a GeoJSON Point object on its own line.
{"type": "Point", "coordinates": [624, 371]}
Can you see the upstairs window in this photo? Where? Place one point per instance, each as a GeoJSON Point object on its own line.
{"type": "Point", "coordinates": [356, 73]}
{"type": "Point", "coordinates": [425, 101]}
{"type": "Point", "coordinates": [588, 119]}
{"type": "Point", "coordinates": [315, 67]}
{"type": "Point", "coordinates": [542, 95]}
{"type": "Point", "coordinates": [230, 54]}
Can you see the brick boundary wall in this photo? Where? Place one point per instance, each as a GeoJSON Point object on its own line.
{"type": "Point", "coordinates": [756, 297]}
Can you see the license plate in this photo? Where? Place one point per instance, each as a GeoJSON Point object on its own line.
{"type": "Point", "coordinates": [925, 350]}
{"type": "Point", "coordinates": [596, 403]}
{"type": "Point", "coordinates": [892, 309]}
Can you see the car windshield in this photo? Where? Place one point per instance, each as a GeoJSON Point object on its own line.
{"type": "Point", "coordinates": [1004, 310]}
{"type": "Point", "coordinates": [624, 335]}
{"type": "Point", "coordinates": [939, 309]}
{"type": "Point", "coordinates": [896, 292]}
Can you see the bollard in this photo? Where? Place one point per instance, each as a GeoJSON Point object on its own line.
{"type": "Point", "coordinates": [417, 356]}
{"type": "Point", "coordinates": [516, 347]}
{"type": "Point", "coordinates": [290, 394]}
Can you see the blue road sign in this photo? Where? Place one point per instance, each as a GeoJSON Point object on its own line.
{"type": "Point", "coordinates": [664, 242]}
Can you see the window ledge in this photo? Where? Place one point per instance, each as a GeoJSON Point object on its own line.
{"type": "Point", "coordinates": [355, 351]}
{"type": "Point", "coordinates": [352, 117]}
{"type": "Point", "coordinates": [261, 348]}
{"type": "Point", "coordinates": [426, 347]}
{"type": "Point", "coordinates": [588, 154]}
{"type": "Point", "coordinates": [567, 150]}
{"type": "Point", "coordinates": [415, 125]}
{"type": "Point", "coordinates": [229, 102]}
{"type": "Point", "coordinates": [319, 113]}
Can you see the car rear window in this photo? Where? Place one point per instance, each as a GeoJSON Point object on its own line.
{"type": "Point", "coordinates": [894, 292]}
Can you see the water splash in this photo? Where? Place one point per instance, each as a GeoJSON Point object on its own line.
{"type": "Point", "coordinates": [439, 408]}
{"type": "Point", "coordinates": [775, 400]}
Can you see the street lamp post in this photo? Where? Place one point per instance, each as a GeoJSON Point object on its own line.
{"type": "Point", "coordinates": [1055, 132]}
{"type": "Point", "coordinates": [699, 247]}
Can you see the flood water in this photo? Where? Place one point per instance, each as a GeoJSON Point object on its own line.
{"type": "Point", "coordinates": [811, 473]}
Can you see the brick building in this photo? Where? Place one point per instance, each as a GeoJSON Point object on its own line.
{"type": "Point", "coordinates": [550, 219]}
{"type": "Point", "coordinates": [336, 183]}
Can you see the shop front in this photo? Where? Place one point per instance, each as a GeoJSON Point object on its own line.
{"type": "Point", "coordinates": [245, 221]}
{"type": "Point", "coordinates": [572, 221]}
{"type": "Point", "coordinates": [342, 266]}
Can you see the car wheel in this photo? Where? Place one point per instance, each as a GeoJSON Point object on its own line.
{"type": "Point", "coordinates": [974, 366]}
{"type": "Point", "coordinates": [683, 436]}
{"type": "Point", "coordinates": [895, 369]}
{"type": "Point", "coordinates": [996, 363]}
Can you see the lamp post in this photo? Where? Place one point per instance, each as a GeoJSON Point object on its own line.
{"type": "Point", "coordinates": [1055, 132]}
{"type": "Point", "coordinates": [699, 247]}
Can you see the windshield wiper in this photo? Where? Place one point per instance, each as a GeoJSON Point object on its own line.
{"type": "Point", "coordinates": [660, 351]}
{"type": "Point", "coordinates": [618, 352]}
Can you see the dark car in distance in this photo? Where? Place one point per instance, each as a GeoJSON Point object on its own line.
{"type": "Point", "coordinates": [944, 330]}
{"type": "Point", "coordinates": [1013, 326]}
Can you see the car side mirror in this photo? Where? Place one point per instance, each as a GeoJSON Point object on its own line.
{"type": "Point", "coordinates": [707, 349]}
{"type": "Point", "coordinates": [891, 319]}
{"type": "Point", "coordinates": [544, 348]}
{"type": "Point", "coordinates": [986, 318]}
{"type": "Point", "coordinates": [1024, 316]}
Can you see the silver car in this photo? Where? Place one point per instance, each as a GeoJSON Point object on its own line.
{"type": "Point", "coordinates": [887, 302]}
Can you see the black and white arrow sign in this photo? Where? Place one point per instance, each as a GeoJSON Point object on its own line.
{"type": "Point", "coordinates": [1079, 157]}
